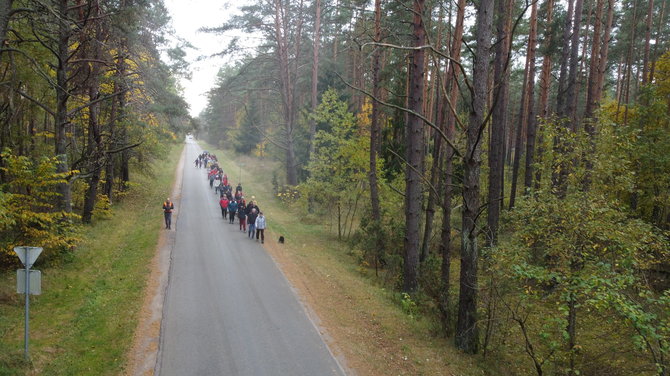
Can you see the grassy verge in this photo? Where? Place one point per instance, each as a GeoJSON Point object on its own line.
{"type": "Point", "coordinates": [366, 323]}
{"type": "Point", "coordinates": [83, 322]}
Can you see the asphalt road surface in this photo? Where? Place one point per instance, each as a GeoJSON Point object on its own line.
{"type": "Point", "coordinates": [228, 309]}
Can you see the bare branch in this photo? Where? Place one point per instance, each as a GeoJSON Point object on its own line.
{"type": "Point", "coordinates": [124, 148]}
{"type": "Point", "coordinates": [101, 99]}
{"type": "Point", "coordinates": [425, 120]}
{"type": "Point", "coordinates": [38, 103]}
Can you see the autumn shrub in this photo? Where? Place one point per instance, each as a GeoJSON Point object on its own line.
{"type": "Point", "coordinates": [28, 216]}
{"type": "Point", "coordinates": [579, 261]}
{"type": "Point", "coordinates": [287, 194]}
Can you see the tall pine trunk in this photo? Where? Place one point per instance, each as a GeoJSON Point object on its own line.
{"type": "Point", "coordinates": [467, 332]}
{"type": "Point", "coordinates": [647, 42]}
{"type": "Point", "coordinates": [94, 146]}
{"type": "Point", "coordinates": [451, 92]}
{"type": "Point", "coordinates": [61, 118]}
{"type": "Point", "coordinates": [375, 140]}
{"type": "Point", "coordinates": [545, 80]}
{"type": "Point", "coordinates": [499, 120]}
{"type": "Point", "coordinates": [5, 14]}
{"type": "Point", "coordinates": [375, 128]}
{"type": "Point", "coordinates": [519, 130]}
{"type": "Point", "coordinates": [572, 93]}
{"type": "Point", "coordinates": [659, 40]}
{"type": "Point", "coordinates": [414, 153]}
{"type": "Point", "coordinates": [532, 119]}
{"type": "Point", "coordinates": [565, 59]}
{"type": "Point", "coordinates": [315, 74]}
{"type": "Point", "coordinates": [436, 117]}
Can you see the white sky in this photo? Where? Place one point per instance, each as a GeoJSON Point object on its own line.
{"type": "Point", "coordinates": [187, 17]}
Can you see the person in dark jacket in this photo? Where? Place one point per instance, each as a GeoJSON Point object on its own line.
{"type": "Point", "coordinates": [232, 209]}
{"type": "Point", "coordinates": [168, 207]}
{"type": "Point", "coordinates": [251, 218]}
{"type": "Point", "coordinates": [242, 216]}
{"type": "Point", "coordinates": [251, 206]}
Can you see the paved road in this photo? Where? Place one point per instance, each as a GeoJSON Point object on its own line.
{"type": "Point", "coordinates": [228, 309]}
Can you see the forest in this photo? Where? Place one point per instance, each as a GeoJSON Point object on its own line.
{"type": "Point", "coordinates": [502, 164]}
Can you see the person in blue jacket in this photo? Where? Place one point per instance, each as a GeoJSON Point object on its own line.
{"type": "Point", "coordinates": [232, 209]}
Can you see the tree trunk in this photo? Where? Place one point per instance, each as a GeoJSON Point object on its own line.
{"type": "Point", "coordinates": [414, 154]}
{"type": "Point", "coordinates": [374, 118]}
{"type": "Point", "coordinates": [545, 80]}
{"type": "Point", "coordinates": [288, 71]}
{"type": "Point", "coordinates": [467, 333]}
{"type": "Point", "coordinates": [315, 74]}
{"type": "Point", "coordinates": [432, 195]}
{"type": "Point", "coordinates": [604, 49]}
{"type": "Point", "coordinates": [574, 63]}
{"type": "Point", "coordinates": [625, 93]}
{"type": "Point", "coordinates": [451, 90]}
{"type": "Point", "coordinates": [566, 104]}
{"type": "Point", "coordinates": [592, 88]}
{"type": "Point", "coordinates": [565, 59]}
{"type": "Point", "coordinates": [647, 42]}
{"type": "Point", "coordinates": [596, 73]}
{"type": "Point", "coordinates": [436, 116]}
{"type": "Point", "coordinates": [499, 120]}
{"type": "Point", "coordinates": [375, 141]}
{"type": "Point", "coordinates": [61, 118]}
{"type": "Point", "coordinates": [659, 40]}
{"type": "Point", "coordinates": [121, 127]}
{"type": "Point", "coordinates": [5, 14]}
{"type": "Point", "coordinates": [521, 125]}
{"type": "Point", "coordinates": [94, 147]}
{"type": "Point", "coordinates": [532, 120]}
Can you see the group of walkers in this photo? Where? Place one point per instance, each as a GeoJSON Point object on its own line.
{"type": "Point", "coordinates": [232, 203]}
{"type": "Point", "coordinates": [205, 159]}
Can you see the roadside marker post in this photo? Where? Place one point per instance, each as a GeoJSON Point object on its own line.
{"type": "Point", "coordinates": [28, 256]}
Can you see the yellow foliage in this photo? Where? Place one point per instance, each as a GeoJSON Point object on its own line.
{"type": "Point", "coordinates": [260, 148]}
{"type": "Point", "coordinates": [662, 76]}
{"type": "Point", "coordinates": [364, 117]}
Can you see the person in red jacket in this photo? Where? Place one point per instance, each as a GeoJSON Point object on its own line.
{"type": "Point", "coordinates": [224, 206]}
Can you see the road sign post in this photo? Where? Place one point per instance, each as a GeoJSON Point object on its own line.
{"type": "Point", "coordinates": [27, 255]}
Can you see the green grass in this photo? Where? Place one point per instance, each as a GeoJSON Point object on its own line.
{"type": "Point", "coordinates": [83, 322]}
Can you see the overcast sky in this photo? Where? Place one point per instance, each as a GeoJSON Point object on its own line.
{"type": "Point", "coordinates": [187, 17]}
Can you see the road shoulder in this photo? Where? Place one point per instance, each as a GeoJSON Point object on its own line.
{"type": "Point", "coordinates": [143, 353]}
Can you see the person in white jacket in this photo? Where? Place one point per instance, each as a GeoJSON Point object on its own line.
{"type": "Point", "coordinates": [260, 227]}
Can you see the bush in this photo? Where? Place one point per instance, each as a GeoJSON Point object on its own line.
{"type": "Point", "coordinates": [27, 213]}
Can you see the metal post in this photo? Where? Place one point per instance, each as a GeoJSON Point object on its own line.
{"type": "Point", "coordinates": [27, 331]}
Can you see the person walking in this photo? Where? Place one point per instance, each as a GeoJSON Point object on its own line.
{"type": "Point", "coordinates": [168, 207]}
{"type": "Point", "coordinates": [252, 205]}
{"type": "Point", "coordinates": [224, 206]}
{"type": "Point", "coordinates": [260, 227]}
{"type": "Point", "coordinates": [217, 183]}
{"type": "Point", "coordinates": [251, 219]}
{"type": "Point", "coordinates": [232, 209]}
{"type": "Point", "coordinates": [212, 176]}
{"type": "Point", "coordinates": [242, 216]}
